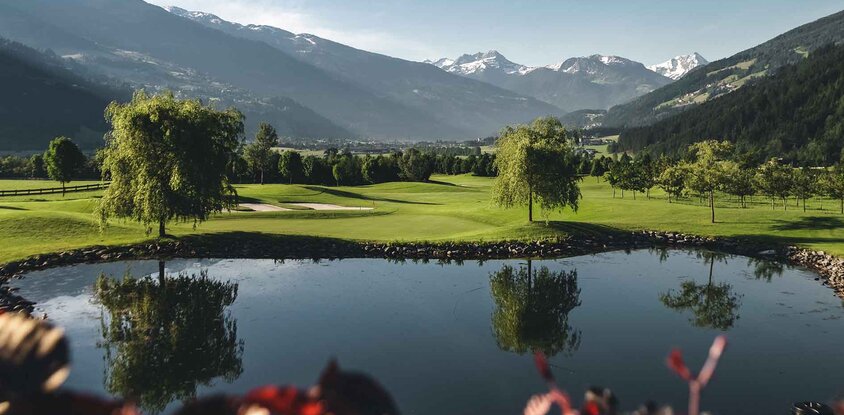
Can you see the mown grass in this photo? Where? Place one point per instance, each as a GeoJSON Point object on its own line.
{"type": "Point", "coordinates": [450, 208]}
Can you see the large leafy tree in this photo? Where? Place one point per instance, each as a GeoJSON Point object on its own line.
{"type": "Point", "coordinates": [163, 338]}
{"type": "Point", "coordinates": [532, 308]}
{"type": "Point", "coordinates": [258, 154]}
{"type": "Point", "coordinates": [536, 162]}
{"type": "Point", "coordinates": [167, 160]}
{"type": "Point", "coordinates": [63, 160]}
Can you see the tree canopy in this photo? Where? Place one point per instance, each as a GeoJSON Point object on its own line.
{"type": "Point", "coordinates": [532, 308]}
{"type": "Point", "coordinates": [165, 338]}
{"type": "Point", "coordinates": [167, 160]}
{"type": "Point", "coordinates": [258, 154]}
{"type": "Point", "coordinates": [536, 162]}
{"type": "Point", "coordinates": [63, 160]}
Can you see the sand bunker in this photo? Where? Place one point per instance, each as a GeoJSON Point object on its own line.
{"type": "Point", "coordinates": [326, 206]}
{"type": "Point", "coordinates": [263, 207]}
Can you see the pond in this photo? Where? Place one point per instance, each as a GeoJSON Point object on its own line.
{"type": "Point", "coordinates": [447, 338]}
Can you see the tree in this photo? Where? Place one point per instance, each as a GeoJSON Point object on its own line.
{"type": "Point", "coordinates": [713, 305]}
{"type": "Point", "coordinates": [804, 185]}
{"type": "Point", "coordinates": [738, 181]}
{"type": "Point", "coordinates": [379, 169]}
{"type": "Point", "coordinates": [832, 184]}
{"type": "Point", "coordinates": [536, 161]}
{"type": "Point", "coordinates": [532, 308]}
{"type": "Point", "coordinates": [672, 180]}
{"type": "Point", "coordinates": [346, 171]}
{"type": "Point", "coordinates": [36, 166]}
{"type": "Point", "coordinates": [290, 166]}
{"type": "Point", "coordinates": [416, 166]}
{"type": "Point", "coordinates": [318, 171]}
{"type": "Point", "coordinates": [706, 173]}
{"type": "Point", "coordinates": [164, 338]}
{"type": "Point", "coordinates": [258, 153]}
{"type": "Point", "coordinates": [167, 160]}
{"type": "Point", "coordinates": [597, 169]}
{"type": "Point", "coordinates": [775, 180]}
{"type": "Point", "coordinates": [63, 160]}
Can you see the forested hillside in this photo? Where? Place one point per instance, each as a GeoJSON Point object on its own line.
{"type": "Point", "coordinates": [727, 75]}
{"type": "Point", "coordinates": [42, 98]}
{"type": "Point", "coordinates": [797, 114]}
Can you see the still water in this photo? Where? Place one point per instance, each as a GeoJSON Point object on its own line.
{"type": "Point", "coordinates": [451, 339]}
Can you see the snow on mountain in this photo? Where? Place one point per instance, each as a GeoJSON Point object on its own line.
{"type": "Point", "coordinates": [593, 82]}
{"type": "Point", "coordinates": [478, 63]}
{"type": "Point", "coordinates": [678, 66]}
{"type": "Point", "coordinates": [591, 65]}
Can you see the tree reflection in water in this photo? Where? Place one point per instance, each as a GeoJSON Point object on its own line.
{"type": "Point", "coordinates": [764, 269]}
{"type": "Point", "coordinates": [532, 308]}
{"type": "Point", "coordinates": [712, 305]}
{"type": "Point", "coordinates": [164, 337]}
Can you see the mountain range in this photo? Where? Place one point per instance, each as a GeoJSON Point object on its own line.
{"type": "Point", "coordinates": [341, 91]}
{"type": "Point", "coordinates": [591, 82]}
{"type": "Point", "coordinates": [82, 54]}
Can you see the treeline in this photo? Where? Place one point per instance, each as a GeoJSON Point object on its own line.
{"type": "Point", "coordinates": [796, 114]}
{"type": "Point", "coordinates": [713, 167]}
{"type": "Point", "coordinates": [342, 168]}
{"type": "Point", "coordinates": [33, 167]}
{"type": "Point", "coordinates": [258, 162]}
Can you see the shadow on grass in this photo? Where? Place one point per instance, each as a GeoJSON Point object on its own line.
{"type": "Point", "coordinates": [354, 195]}
{"type": "Point", "coordinates": [809, 223]}
{"type": "Point", "coordinates": [582, 228]}
{"type": "Point", "coordinates": [11, 208]}
{"type": "Point", "coordinates": [442, 183]}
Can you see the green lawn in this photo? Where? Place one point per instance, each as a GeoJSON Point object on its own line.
{"type": "Point", "coordinates": [451, 208]}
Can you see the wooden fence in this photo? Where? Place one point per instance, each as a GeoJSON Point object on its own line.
{"type": "Point", "coordinates": [54, 190]}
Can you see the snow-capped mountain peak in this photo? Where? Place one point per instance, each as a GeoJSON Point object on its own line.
{"type": "Point", "coordinates": [678, 66]}
{"type": "Point", "coordinates": [479, 62]}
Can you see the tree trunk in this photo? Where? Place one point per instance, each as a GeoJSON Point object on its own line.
{"type": "Point", "coordinates": [613, 192]}
{"type": "Point", "coordinates": [785, 203]}
{"type": "Point", "coordinates": [804, 204]}
{"type": "Point", "coordinates": [161, 232]}
{"type": "Point", "coordinates": [712, 204]}
{"type": "Point", "coordinates": [634, 195]}
{"type": "Point", "coordinates": [161, 273]}
{"type": "Point", "coordinates": [62, 189]}
{"type": "Point", "coordinates": [262, 177]}
{"type": "Point", "coordinates": [842, 205]}
{"type": "Point", "coordinates": [530, 206]}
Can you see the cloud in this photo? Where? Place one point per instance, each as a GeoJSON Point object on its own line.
{"type": "Point", "coordinates": [293, 16]}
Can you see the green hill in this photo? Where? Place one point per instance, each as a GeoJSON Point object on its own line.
{"type": "Point", "coordinates": [722, 77]}
{"type": "Point", "coordinates": [797, 114]}
{"type": "Point", "coordinates": [42, 98]}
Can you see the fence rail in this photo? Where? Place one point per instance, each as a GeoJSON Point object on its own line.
{"type": "Point", "coordinates": [54, 190]}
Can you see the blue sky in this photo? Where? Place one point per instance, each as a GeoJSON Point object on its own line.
{"type": "Point", "coordinates": [535, 32]}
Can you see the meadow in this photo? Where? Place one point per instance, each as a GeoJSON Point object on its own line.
{"type": "Point", "coordinates": [448, 208]}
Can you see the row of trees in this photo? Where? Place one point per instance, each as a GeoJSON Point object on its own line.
{"type": "Point", "coordinates": [259, 162]}
{"type": "Point", "coordinates": [712, 167]}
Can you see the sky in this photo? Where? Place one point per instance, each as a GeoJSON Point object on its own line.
{"type": "Point", "coordinates": [535, 33]}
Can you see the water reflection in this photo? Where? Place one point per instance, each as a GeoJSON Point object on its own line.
{"type": "Point", "coordinates": [164, 337]}
{"type": "Point", "coordinates": [712, 305]}
{"type": "Point", "coordinates": [765, 269]}
{"type": "Point", "coordinates": [532, 308]}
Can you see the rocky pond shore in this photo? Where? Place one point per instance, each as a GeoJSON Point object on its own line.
{"type": "Point", "coordinates": [830, 269]}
